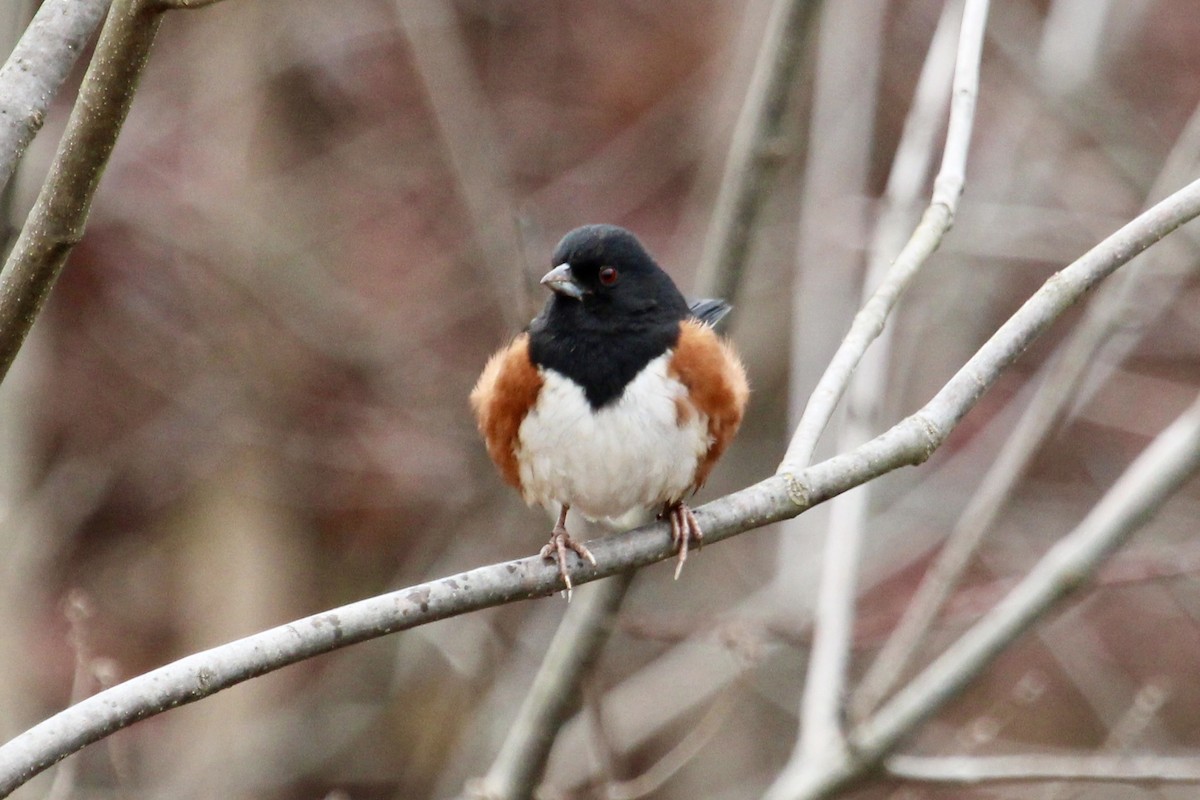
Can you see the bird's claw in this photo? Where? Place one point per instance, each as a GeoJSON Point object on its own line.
{"type": "Point", "coordinates": [684, 530]}
{"type": "Point", "coordinates": [556, 550]}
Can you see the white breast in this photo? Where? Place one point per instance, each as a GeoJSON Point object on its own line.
{"type": "Point", "coordinates": [633, 455]}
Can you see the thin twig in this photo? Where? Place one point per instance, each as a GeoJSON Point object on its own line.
{"type": "Point", "coordinates": [1057, 384]}
{"type": "Point", "coordinates": [36, 69]}
{"type": "Point", "coordinates": [56, 223]}
{"type": "Point", "coordinates": [183, 5]}
{"type": "Point", "coordinates": [555, 692]}
{"type": "Point", "coordinates": [781, 496]}
{"type": "Point", "coordinates": [754, 152]}
{"type": "Point", "coordinates": [1042, 767]}
{"type": "Point", "coordinates": [938, 218]}
{"type": "Point", "coordinates": [825, 687]}
{"type": "Point", "coordinates": [675, 758]}
{"type": "Point", "coordinates": [1172, 458]}
{"type": "Point", "coordinates": [460, 110]}
{"type": "Point", "coordinates": [78, 610]}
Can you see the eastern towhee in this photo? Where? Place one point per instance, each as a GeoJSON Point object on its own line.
{"type": "Point", "coordinates": [618, 399]}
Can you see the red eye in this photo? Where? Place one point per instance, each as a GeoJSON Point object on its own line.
{"type": "Point", "coordinates": [608, 276]}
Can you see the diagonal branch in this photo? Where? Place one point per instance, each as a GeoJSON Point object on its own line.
{"type": "Point", "coordinates": [577, 642]}
{"type": "Point", "coordinates": [1171, 459]}
{"type": "Point", "coordinates": [1056, 389]}
{"type": "Point", "coordinates": [781, 496]}
{"type": "Point", "coordinates": [56, 223]}
{"type": "Point", "coordinates": [938, 218]}
{"type": "Point", "coordinates": [36, 69]}
{"type": "Point", "coordinates": [58, 218]}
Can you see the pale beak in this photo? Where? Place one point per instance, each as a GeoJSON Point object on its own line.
{"type": "Point", "coordinates": [562, 281]}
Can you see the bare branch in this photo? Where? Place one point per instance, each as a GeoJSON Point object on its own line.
{"type": "Point", "coordinates": [825, 687]}
{"type": "Point", "coordinates": [754, 154]}
{"type": "Point", "coordinates": [37, 67]}
{"type": "Point", "coordinates": [56, 223]}
{"type": "Point", "coordinates": [555, 691]}
{"type": "Point", "coordinates": [1041, 767]}
{"type": "Point", "coordinates": [183, 5]}
{"type": "Point", "coordinates": [781, 496]}
{"type": "Point", "coordinates": [1057, 384]}
{"type": "Point", "coordinates": [1172, 458]}
{"type": "Point", "coordinates": [938, 218]}
{"type": "Point", "coordinates": [460, 110]}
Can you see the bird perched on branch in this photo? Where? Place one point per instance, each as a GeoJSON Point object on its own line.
{"type": "Point", "coordinates": [618, 399]}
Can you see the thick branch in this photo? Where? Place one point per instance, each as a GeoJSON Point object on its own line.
{"type": "Point", "coordinates": [36, 69]}
{"type": "Point", "coordinates": [56, 223]}
{"type": "Point", "coordinates": [779, 497]}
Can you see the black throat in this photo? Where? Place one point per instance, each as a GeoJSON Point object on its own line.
{"type": "Point", "coordinates": [601, 357]}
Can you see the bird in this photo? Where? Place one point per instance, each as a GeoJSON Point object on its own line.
{"type": "Point", "coordinates": [618, 398]}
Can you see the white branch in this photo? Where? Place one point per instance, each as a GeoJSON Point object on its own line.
{"type": "Point", "coordinates": [938, 218]}
{"type": "Point", "coordinates": [1041, 767]}
{"type": "Point", "coordinates": [37, 67]}
{"type": "Point", "coordinates": [1057, 383]}
{"type": "Point", "coordinates": [825, 688]}
{"type": "Point", "coordinates": [776, 498]}
{"type": "Point", "coordinates": [1172, 458]}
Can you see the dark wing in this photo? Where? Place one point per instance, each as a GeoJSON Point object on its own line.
{"type": "Point", "coordinates": [710, 312]}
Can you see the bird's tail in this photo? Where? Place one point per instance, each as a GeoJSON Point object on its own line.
{"type": "Point", "coordinates": [710, 312]}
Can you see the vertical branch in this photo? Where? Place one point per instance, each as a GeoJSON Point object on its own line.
{"type": "Point", "coordinates": [472, 145]}
{"type": "Point", "coordinates": [821, 707]}
{"type": "Point", "coordinates": [56, 223]}
{"type": "Point", "coordinates": [754, 153]}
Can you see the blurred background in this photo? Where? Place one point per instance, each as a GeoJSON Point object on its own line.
{"type": "Point", "coordinates": [246, 399]}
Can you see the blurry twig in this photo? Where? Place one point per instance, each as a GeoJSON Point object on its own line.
{"type": "Point", "coordinates": [675, 759]}
{"type": "Point", "coordinates": [825, 687]}
{"type": "Point", "coordinates": [78, 609]}
{"type": "Point", "coordinates": [473, 146]}
{"type": "Point", "coordinates": [1071, 43]}
{"type": "Point", "coordinates": [183, 5]}
{"type": "Point", "coordinates": [37, 67]}
{"type": "Point", "coordinates": [781, 496]}
{"type": "Point", "coordinates": [1058, 385]}
{"type": "Point", "coordinates": [1041, 767]}
{"type": "Point", "coordinates": [754, 154]}
{"type": "Point", "coordinates": [1170, 460]}
{"type": "Point", "coordinates": [555, 692]}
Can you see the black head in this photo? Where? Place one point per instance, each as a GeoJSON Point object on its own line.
{"type": "Point", "coordinates": [612, 311]}
{"type": "Point", "coordinates": [602, 272]}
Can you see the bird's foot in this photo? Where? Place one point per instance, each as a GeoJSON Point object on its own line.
{"type": "Point", "coordinates": [684, 531]}
{"type": "Point", "coordinates": [556, 550]}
